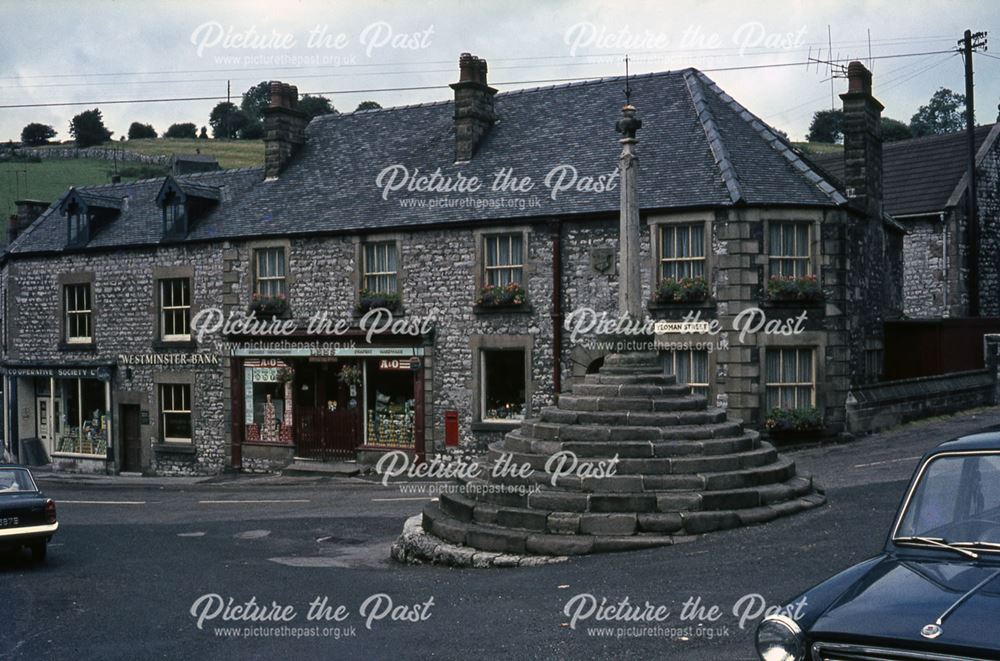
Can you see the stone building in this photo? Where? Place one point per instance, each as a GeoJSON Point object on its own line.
{"type": "Point", "coordinates": [486, 223]}
{"type": "Point", "coordinates": [926, 184]}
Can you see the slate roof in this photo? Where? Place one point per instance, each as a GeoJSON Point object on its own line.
{"type": "Point", "coordinates": [919, 175]}
{"type": "Point", "coordinates": [698, 147]}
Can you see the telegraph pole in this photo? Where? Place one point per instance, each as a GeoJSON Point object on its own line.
{"type": "Point", "coordinates": [970, 43]}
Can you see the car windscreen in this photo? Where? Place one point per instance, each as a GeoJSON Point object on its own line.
{"type": "Point", "coordinates": [15, 479]}
{"type": "Point", "coordinates": [956, 499]}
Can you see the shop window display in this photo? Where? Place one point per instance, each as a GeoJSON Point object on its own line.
{"type": "Point", "coordinates": [390, 404]}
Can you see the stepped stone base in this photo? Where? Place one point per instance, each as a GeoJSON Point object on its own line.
{"type": "Point", "coordinates": [681, 470]}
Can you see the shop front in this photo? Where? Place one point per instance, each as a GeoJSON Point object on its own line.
{"type": "Point", "coordinates": [326, 405]}
{"type": "Point", "coordinates": [62, 413]}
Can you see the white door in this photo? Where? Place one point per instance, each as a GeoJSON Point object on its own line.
{"type": "Point", "coordinates": [42, 421]}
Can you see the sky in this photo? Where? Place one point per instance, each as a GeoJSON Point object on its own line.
{"type": "Point", "coordinates": [97, 51]}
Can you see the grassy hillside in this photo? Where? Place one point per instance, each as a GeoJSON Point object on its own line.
{"type": "Point", "coordinates": [230, 153]}
{"type": "Point", "coordinates": [50, 178]}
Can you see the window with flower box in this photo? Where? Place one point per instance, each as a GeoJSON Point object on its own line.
{"type": "Point", "coordinates": [790, 378]}
{"type": "Point", "coordinates": [789, 249]}
{"type": "Point", "coordinates": [682, 251]}
{"type": "Point", "coordinates": [380, 268]}
{"type": "Point", "coordinates": [503, 259]}
{"type": "Point", "coordinates": [270, 273]}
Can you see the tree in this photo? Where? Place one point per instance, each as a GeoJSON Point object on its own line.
{"type": "Point", "coordinates": [944, 113]}
{"type": "Point", "coordinates": [137, 131]}
{"type": "Point", "coordinates": [35, 134]}
{"type": "Point", "coordinates": [88, 128]}
{"type": "Point", "coordinates": [204, 134]}
{"type": "Point", "coordinates": [368, 105]}
{"type": "Point", "coordinates": [893, 130]}
{"type": "Point", "coordinates": [826, 126]}
{"type": "Point", "coordinates": [182, 130]}
{"type": "Point", "coordinates": [314, 106]}
{"type": "Point", "coordinates": [252, 131]}
{"type": "Point", "coordinates": [227, 120]}
{"type": "Point", "coordinates": [255, 100]}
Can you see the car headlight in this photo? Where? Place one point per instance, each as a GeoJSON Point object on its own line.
{"type": "Point", "coordinates": [779, 638]}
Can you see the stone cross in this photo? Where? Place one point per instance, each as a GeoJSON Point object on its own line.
{"type": "Point", "coordinates": [629, 284]}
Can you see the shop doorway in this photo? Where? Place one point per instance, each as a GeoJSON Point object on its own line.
{"type": "Point", "coordinates": [45, 433]}
{"type": "Point", "coordinates": [131, 439]}
{"type": "Point", "coordinates": [328, 409]}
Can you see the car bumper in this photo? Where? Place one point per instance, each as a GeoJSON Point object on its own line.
{"type": "Point", "coordinates": [27, 533]}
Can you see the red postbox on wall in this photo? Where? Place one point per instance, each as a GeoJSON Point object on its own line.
{"type": "Point", "coordinates": [451, 428]}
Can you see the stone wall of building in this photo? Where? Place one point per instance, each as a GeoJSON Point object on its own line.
{"type": "Point", "coordinates": [988, 201]}
{"type": "Point", "coordinates": [439, 275]}
{"type": "Point", "coordinates": [926, 268]}
{"type": "Point", "coordinates": [124, 323]}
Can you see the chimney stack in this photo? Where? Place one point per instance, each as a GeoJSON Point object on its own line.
{"type": "Point", "coordinates": [284, 128]}
{"type": "Point", "coordinates": [27, 212]}
{"type": "Point", "coordinates": [862, 141]}
{"type": "Point", "coordinates": [474, 112]}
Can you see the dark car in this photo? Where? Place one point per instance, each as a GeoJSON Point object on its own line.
{"type": "Point", "coordinates": [27, 517]}
{"type": "Point", "coordinates": [934, 593]}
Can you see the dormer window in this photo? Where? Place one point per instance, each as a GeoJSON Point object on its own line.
{"type": "Point", "coordinates": [78, 224]}
{"type": "Point", "coordinates": [183, 203]}
{"type": "Point", "coordinates": [174, 215]}
{"type": "Point", "coordinates": [86, 213]}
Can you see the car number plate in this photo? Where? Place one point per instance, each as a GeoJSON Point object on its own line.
{"type": "Point", "coordinates": [9, 522]}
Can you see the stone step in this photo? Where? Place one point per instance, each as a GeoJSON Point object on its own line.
{"type": "Point", "coordinates": [650, 358]}
{"type": "Point", "coordinates": [762, 455]}
{"type": "Point", "coordinates": [634, 458]}
{"type": "Point", "coordinates": [583, 533]}
{"type": "Point", "coordinates": [631, 370]}
{"type": "Point", "coordinates": [679, 431]}
{"type": "Point", "coordinates": [688, 402]}
{"type": "Point", "coordinates": [652, 379]}
{"type": "Point", "coordinates": [589, 532]}
{"type": "Point", "coordinates": [546, 509]}
{"type": "Point", "coordinates": [777, 470]}
{"type": "Point", "coordinates": [630, 390]}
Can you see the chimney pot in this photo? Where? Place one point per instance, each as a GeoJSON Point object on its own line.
{"type": "Point", "coordinates": [467, 70]}
{"type": "Point", "coordinates": [859, 79]}
{"type": "Point", "coordinates": [276, 94]}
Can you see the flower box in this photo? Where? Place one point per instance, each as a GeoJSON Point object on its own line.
{"type": "Point", "coordinates": [511, 295]}
{"type": "Point", "coordinates": [269, 307]}
{"type": "Point", "coordinates": [794, 422]}
{"type": "Point", "coordinates": [794, 289]}
{"type": "Point", "coordinates": [671, 291]}
{"type": "Point", "coordinates": [370, 300]}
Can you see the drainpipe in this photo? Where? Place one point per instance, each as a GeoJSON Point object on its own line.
{"type": "Point", "coordinates": [557, 315]}
{"type": "Point", "coordinates": [944, 250]}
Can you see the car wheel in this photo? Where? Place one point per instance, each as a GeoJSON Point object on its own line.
{"type": "Point", "coordinates": [38, 551]}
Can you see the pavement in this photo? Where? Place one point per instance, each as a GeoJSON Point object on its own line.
{"type": "Point", "coordinates": [139, 563]}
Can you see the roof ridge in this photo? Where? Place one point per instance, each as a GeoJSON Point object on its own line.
{"type": "Point", "coordinates": [520, 90]}
{"type": "Point", "coordinates": [940, 137]}
{"type": "Point", "coordinates": [714, 137]}
{"type": "Point", "coordinates": [778, 143]}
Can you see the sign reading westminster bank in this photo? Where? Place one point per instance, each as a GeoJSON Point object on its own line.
{"type": "Point", "coordinates": [169, 359]}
